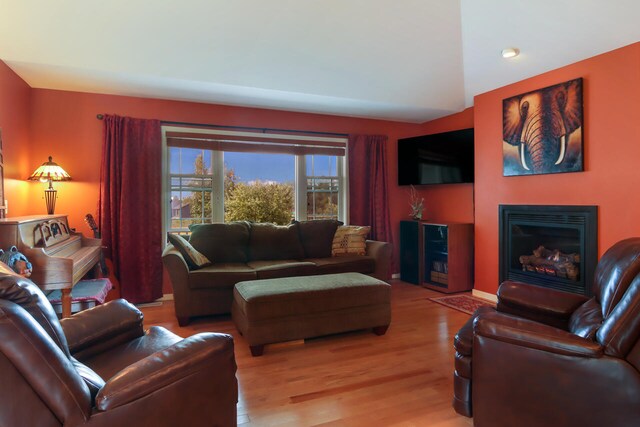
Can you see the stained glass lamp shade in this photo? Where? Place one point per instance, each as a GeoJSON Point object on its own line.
{"type": "Point", "coordinates": [49, 172]}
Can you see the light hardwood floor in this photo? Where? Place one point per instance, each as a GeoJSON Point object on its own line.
{"type": "Point", "coordinates": [403, 378]}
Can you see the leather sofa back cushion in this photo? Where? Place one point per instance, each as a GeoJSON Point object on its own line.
{"type": "Point", "coordinates": [317, 236]}
{"type": "Point", "coordinates": [620, 332]}
{"type": "Point", "coordinates": [93, 381]}
{"type": "Point", "coordinates": [26, 294]}
{"type": "Point", "coordinates": [221, 242]}
{"type": "Point", "coordinates": [271, 242]}
{"type": "Point", "coordinates": [586, 320]}
{"type": "Point", "coordinates": [615, 270]}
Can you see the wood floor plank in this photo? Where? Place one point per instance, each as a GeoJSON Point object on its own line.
{"type": "Point", "coordinates": [402, 378]}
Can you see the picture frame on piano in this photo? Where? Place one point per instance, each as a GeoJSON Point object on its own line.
{"type": "Point", "coordinates": [51, 232]}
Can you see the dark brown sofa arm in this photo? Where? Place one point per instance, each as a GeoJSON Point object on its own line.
{"type": "Point", "coordinates": [381, 251]}
{"type": "Point", "coordinates": [170, 252]}
{"type": "Point", "coordinates": [202, 365]}
{"type": "Point", "coordinates": [548, 306]}
{"type": "Point", "coordinates": [92, 331]}
{"type": "Point", "coordinates": [178, 272]}
{"type": "Point", "coordinates": [534, 335]}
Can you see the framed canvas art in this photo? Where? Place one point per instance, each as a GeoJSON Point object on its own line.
{"type": "Point", "coordinates": [542, 130]}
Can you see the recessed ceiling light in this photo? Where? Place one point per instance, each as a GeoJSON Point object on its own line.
{"type": "Point", "coordinates": [510, 52]}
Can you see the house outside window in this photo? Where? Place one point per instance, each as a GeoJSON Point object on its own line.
{"type": "Point", "coordinates": [227, 176]}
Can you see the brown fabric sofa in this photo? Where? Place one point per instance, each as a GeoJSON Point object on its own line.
{"type": "Point", "coordinates": [101, 368]}
{"type": "Point", "coordinates": [241, 251]}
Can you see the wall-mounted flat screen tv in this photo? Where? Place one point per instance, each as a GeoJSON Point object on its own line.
{"type": "Point", "coordinates": [442, 158]}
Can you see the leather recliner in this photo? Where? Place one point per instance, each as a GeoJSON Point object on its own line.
{"type": "Point", "coordinates": [550, 358]}
{"type": "Point", "coordinates": [101, 368]}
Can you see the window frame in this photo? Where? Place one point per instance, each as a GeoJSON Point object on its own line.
{"type": "Point", "coordinates": [217, 175]}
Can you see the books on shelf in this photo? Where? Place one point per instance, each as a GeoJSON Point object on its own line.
{"type": "Point", "coordinates": [440, 266]}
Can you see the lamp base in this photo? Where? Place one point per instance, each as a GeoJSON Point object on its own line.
{"type": "Point", "coordinates": [50, 195]}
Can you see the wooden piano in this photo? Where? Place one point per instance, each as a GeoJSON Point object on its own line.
{"type": "Point", "coordinates": [60, 256]}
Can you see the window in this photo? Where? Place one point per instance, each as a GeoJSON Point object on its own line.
{"type": "Point", "coordinates": [323, 186]}
{"type": "Point", "coordinates": [191, 187]}
{"type": "Point", "coordinates": [219, 176]}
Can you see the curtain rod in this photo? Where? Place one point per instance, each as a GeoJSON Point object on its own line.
{"type": "Point", "coordinates": [264, 130]}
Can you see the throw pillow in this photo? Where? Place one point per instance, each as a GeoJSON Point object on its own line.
{"type": "Point", "coordinates": [194, 259]}
{"type": "Point", "coordinates": [350, 240]}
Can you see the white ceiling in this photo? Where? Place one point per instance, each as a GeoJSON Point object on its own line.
{"type": "Point", "coordinates": [405, 60]}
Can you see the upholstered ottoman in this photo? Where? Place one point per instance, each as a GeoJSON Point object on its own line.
{"type": "Point", "coordinates": [284, 309]}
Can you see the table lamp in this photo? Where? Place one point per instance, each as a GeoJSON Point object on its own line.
{"type": "Point", "coordinates": [50, 171]}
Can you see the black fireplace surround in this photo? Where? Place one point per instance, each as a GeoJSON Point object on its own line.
{"type": "Point", "coordinates": [551, 246]}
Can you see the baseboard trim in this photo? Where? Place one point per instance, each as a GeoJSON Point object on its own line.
{"type": "Point", "coordinates": [395, 276]}
{"type": "Point", "coordinates": [166, 297]}
{"type": "Point", "coordinates": [156, 303]}
{"type": "Point", "coordinates": [484, 295]}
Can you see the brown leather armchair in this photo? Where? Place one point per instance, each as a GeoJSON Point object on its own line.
{"type": "Point", "coordinates": [100, 368]}
{"type": "Point", "coordinates": [550, 358]}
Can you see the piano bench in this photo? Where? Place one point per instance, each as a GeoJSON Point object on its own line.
{"type": "Point", "coordinates": [85, 294]}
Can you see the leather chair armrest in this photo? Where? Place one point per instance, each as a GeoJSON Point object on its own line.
{"type": "Point", "coordinates": [548, 306]}
{"type": "Point", "coordinates": [102, 327]}
{"type": "Point", "coordinates": [534, 335]}
{"type": "Point", "coordinates": [523, 370]}
{"type": "Point", "coordinates": [186, 364]}
{"type": "Point", "coordinates": [381, 251]}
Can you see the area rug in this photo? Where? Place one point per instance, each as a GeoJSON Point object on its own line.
{"type": "Point", "coordinates": [464, 303]}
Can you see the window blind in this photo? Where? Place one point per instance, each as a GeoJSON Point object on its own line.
{"type": "Point", "coordinates": [257, 142]}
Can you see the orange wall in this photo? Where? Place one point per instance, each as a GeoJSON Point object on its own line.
{"type": "Point", "coordinates": [449, 202]}
{"type": "Point", "coordinates": [611, 176]}
{"type": "Point", "coordinates": [14, 122]}
{"type": "Point", "coordinates": [64, 125]}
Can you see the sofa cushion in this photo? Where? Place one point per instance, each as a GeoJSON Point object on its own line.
{"type": "Point", "coordinates": [91, 379]}
{"type": "Point", "coordinates": [273, 242]}
{"type": "Point", "coordinates": [317, 236]}
{"type": "Point", "coordinates": [194, 259]}
{"type": "Point", "coordinates": [586, 320]}
{"type": "Point", "coordinates": [282, 268]}
{"type": "Point", "coordinates": [221, 243]}
{"type": "Point", "coordinates": [280, 298]}
{"type": "Point", "coordinates": [223, 275]}
{"type": "Point", "coordinates": [350, 240]}
{"type": "Point", "coordinates": [344, 264]}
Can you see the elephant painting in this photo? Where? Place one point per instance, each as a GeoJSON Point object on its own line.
{"type": "Point", "coordinates": [542, 130]}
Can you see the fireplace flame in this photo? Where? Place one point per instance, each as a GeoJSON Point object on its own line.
{"type": "Point", "coordinates": [552, 262]}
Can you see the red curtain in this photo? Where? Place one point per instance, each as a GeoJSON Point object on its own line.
{"type": "Point", "coordinates": [368, 189]}
{"type": "Point", "coordinates": [130, 207]}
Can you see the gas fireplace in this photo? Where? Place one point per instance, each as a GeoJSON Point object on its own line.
{"type": "Point", "coordinates": [550, 246]}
